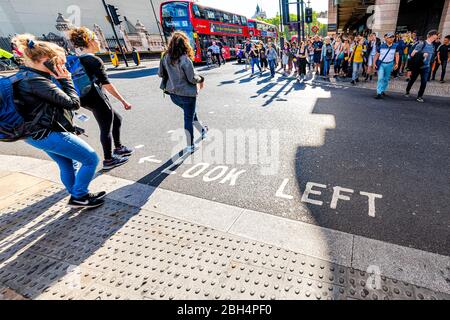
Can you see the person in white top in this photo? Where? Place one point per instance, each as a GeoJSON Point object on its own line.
{"type": "Point", "coordinates": [215, 49]}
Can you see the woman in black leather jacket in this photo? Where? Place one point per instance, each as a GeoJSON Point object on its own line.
{"type": "Point", "coordinates": [50, 107]}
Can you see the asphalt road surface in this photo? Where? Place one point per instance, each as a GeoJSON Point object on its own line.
{"type": "Point", "coordinates": [338, 158]}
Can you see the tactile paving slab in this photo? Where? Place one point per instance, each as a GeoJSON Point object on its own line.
{"type": "Point", "coordinates": [48, 251]}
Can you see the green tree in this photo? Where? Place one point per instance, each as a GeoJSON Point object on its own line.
{"type": "Point", "coordinates": [323, 28]}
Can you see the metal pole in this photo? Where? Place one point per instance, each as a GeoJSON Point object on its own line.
{"type": "Point", "coordinates": [298, 22]}
{"type": "Point", "coordinates": [115, 33]}
{"type": "Point", "coordinates": [281, 28]}
{"type": "Point", "coordinates": [309, 24]}
{"type": "Point", "coordinates": [303, 21]}
{"type": "Point", "coordinates": [164, 40]}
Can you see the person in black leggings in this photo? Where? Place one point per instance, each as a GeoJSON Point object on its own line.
{"type": "Point", "coordinates": [109, 121]}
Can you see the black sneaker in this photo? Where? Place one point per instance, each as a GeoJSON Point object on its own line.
{"type": "Point", "coordinates": [123, 152]}
{"type": "Point", "coordinates": [114, 163]}
{"type": "Point", "coordinates": [86, 202]}
{"type": "Point", "coordinates": [378, 97]}
{"type": "Point", "coordinates": [99, 195]}
{"type": "Point", "coordinates": [353, 82]}
{"type": "Point", "coordinates": [383, 94]}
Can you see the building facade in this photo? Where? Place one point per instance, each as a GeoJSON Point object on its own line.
{"type": "Point", "coordinates": [38, 17]}
{"type": "Point", "coordinates": [259, 13]}
{"type": "Point", "coordinates": [383, 16]}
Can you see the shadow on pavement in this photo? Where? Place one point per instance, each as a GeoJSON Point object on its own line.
{"type": "Point", "coordinates": [142, 73]}
{"type": "Point", "coordinates": [393, 149]}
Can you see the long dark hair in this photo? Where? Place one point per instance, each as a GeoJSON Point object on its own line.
{"type": "Point", "coordinates": [178, 46]}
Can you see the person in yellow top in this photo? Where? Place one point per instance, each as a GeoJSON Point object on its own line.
{"type": "Point", "coordinates": [5, 54]}
{"type": "Point", "coordinates": [358, 53]}
{"type": "Point", "coordinates": [7, 57]}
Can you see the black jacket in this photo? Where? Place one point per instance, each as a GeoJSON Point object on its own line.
{"type": "Point", "coordinates": [37, 96]}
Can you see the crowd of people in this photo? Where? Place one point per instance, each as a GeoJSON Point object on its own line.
{"type": "Point", "coordinates": [357, 58]}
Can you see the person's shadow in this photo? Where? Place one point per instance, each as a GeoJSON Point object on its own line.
{"type": "Point", "coordinates": [139, 195]}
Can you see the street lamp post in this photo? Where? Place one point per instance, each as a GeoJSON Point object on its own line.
{"type": "Point", "coordinates": [281, 27]}
{"type": "Point", "coordinates": [303, 20]}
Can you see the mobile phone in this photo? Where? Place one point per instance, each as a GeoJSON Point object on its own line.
{"type": "Point", "coordinates": [50, 65]}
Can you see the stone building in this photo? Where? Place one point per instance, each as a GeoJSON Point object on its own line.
{"type": "Point", "coordinates": [259, 13]}
{"type": "Point", "coordinates": [38, 17]}
{"type": "Point", "coordinates": [383, 16]}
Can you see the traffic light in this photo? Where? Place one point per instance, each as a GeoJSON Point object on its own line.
{"type": "Point", "coordinates": [308, 15]}
{"type": "Point", "coordinates": [285, 7]}
{"type": "Point", "coordinates": [114, 11]}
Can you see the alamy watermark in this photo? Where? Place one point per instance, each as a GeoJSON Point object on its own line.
{"type": "Point", "coordinates": [374, 280]}
{"type": "Point", "coordinates": [74, 15]}
{"type": "Point", "coordinates": [375, 11]}
{"type": "Point", "coordinates": [259, 147]}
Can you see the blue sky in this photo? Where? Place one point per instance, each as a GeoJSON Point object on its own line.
{"type": "Point", "coordinates": [247, 7]}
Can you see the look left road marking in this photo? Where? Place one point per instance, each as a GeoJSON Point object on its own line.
{"type": "Point", "coordinates": [149, 159]}
{"type": "Point", "coordinates": [338, 195]}
{"type": "Point", "coordinates": [280, 192]}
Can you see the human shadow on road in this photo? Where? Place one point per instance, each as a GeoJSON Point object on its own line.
{"type": "Point", "coordinates": [52, 240]}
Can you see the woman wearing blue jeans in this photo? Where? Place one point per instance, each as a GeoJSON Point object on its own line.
{"type": "Point", "coordinates": [182, 83]}
{"type": "Point", "coordinates": [272, 57]}
{"type": "Point", "coordinates": [49, 110]}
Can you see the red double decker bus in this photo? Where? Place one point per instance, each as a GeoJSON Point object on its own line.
{"type": "Point", "coordinates": [260, 30]}
{"type": "Point", "coordinates": [203, 25]}
{"type": "Point", "coordinates": [266, 31]}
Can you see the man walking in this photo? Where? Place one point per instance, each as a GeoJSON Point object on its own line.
{"type": "Point", "coordinates": [386, 59]}
{"type": "Point", "coordinates": [327, 56]}
{"type": "Point", "coordinates": [422, 64]}
{"type": "Point", "coordinates": [317, 44]}
{"type": "Point", "coordinates": [220, 45]}
{"type": "Point", "coordinates": [442, 58]}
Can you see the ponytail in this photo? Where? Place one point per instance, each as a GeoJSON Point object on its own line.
{"type": "Point", "coordinates": [35, 50]}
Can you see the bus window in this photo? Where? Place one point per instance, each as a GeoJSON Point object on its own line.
{"type": "Point", "coordinates": [236, 19]}
{"type": "Point", "coordinates": [226, 18]}
{"type": "Point", "coordinates": [210, 14]}
{"type": "Point", "coordinates": [175, 10]}
{"type": "Point", "coordinates": [196, 10]}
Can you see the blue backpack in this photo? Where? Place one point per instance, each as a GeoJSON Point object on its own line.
{"type": "Point", "coordinates": [12, 125]}
{"type": "Point", "coordinates": [82, 82]}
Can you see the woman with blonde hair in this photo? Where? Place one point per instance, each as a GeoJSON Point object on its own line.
{"type": "Point", "coordinates": [182, 83]}
{"type": "Point", "coordinates": [48, 108]}
{"type": "Point", "coordinates": [109, 121]}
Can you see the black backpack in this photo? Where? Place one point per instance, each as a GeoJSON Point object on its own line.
{"type": "Point", "coordinates": [417, 62]}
